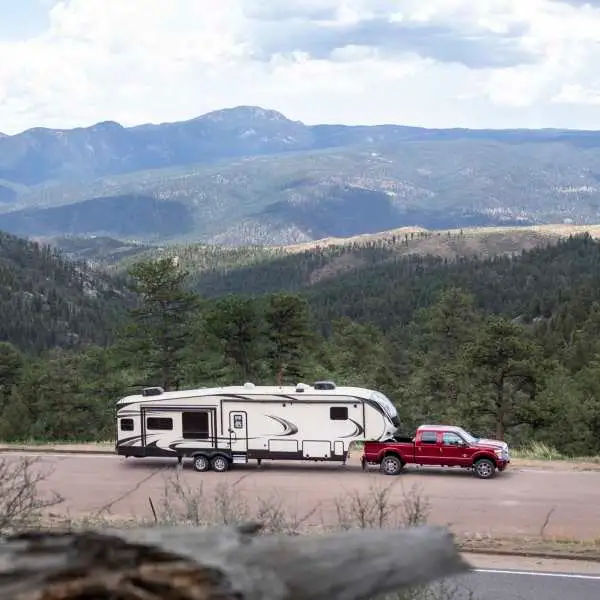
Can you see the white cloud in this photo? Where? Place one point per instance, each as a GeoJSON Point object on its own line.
{"type": "Point", "coordinates": [498, 63]}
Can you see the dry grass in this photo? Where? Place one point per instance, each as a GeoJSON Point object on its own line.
{"type": "Point", "coordinates": [538, 453]}
{"type": "Point", "coordinates": [355, 239]}
{"type": "Point", "coordinates": [22, 504]}
{"type": "Point", "coordinates": [475, 240]}
{"type": "Point", "coordinates": [554, 547]}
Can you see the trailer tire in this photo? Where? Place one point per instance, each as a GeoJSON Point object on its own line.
{"type": "Point", "coordinates": [220, 463]}
{"type": "Point", "coordinates": [201, 463]}
{"type": "Point", "coordinates": [391, 465]}
{"type": "Point", "coordinates": [484, 468]}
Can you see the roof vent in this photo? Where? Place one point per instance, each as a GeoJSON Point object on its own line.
{"type": "Point", "coordinates": [324, 385]}
{"type": "Point", "coordinates": [248, 385]}
{"type": "Point", "coordinates": [153, 391]}
{"type": "Point", "coordinates": [300, 387]}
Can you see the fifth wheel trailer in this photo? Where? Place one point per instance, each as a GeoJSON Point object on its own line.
{"type": "Point", "coordinates": [218, 427]}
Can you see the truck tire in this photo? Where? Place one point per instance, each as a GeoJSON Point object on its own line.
{"type": "Point", "coordinates": [484, 468]}
{"type": "Point", "coordinates": [220, 463]}
{"type": "Point", "coordinates": [391, 465]}
{"type": "Point", "coordinates": [201, 463]}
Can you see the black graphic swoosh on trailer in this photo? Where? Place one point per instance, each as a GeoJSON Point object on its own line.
{"type": "Point", "coordinates": [288, 428]}
{"type": "Point", "coordinates": [358, 430]}
{"type": "Point", "coordinates": [129, 441]}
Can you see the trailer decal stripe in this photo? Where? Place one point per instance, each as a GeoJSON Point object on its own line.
{"type": "Point", "coordinates": [288, 427]}
{"type": "Point", "coordinates": [358, 430]}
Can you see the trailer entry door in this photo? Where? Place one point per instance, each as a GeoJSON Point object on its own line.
{"type": "Point", "coordinates": [238, 430]}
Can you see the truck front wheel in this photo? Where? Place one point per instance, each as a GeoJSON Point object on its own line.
{"type": "Point", "coordinates": [484, 468]}
{"type": "Point", "coordinates": [391, 465]}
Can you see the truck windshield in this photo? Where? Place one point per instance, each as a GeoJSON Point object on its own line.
{"type": "Point", "coordinates": [470, 439]}
{"type": "Point", "coordinates": [387, 406]}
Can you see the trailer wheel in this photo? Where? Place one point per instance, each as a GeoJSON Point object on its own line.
{"type": "Point", "coordinates": [391, 465]}
{"type": "Point", "coordinates": [201, 463]}
{"type": "Point", "coordinates": [220, 464]}
{"type": "Point", "coordinates": [484, 468]}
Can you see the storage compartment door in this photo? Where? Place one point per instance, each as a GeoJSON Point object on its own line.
{"type": "Point", "coordinates": [320, 449]}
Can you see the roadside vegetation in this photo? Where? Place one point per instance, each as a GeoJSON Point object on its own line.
{"type": "Point", "coordinates": [505, 347]}
{"type": "Point", "coordinates": [541, 451]}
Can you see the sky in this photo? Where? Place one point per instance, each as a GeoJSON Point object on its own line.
{"type": "Point", "coordinates": [432, 63]}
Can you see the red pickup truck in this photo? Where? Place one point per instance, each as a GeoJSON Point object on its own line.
{"type": "Point", "coordinates": [440, 446]}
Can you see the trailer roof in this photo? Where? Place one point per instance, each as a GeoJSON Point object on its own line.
{"type": "Point", "coordinates": [246, 390]}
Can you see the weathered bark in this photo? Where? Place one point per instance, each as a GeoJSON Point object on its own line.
{"type": "Point", "coordinates": [222, 564]}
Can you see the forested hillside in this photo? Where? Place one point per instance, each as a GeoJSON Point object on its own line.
{"type": "Point", "coordinates": [506, 346]}
{"type": "Point", "coordinates": [385, 281]}
{"type": "Point", "coordinates": [47, 301]}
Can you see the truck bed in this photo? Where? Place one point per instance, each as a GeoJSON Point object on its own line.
{"type": "Point", "coordinates": [402, 445]}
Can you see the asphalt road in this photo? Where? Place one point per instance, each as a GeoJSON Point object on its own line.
{"type": "Point", "coordinates": [520, 585]}
{"type": "Point", "coordinates": [515, 503]}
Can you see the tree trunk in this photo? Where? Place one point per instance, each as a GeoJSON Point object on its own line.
{"type": "Point", "coordinates": [223, 564]}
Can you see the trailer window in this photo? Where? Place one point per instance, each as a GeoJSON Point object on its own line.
{"type": "Point", "coordinates": [429, 437]}
{"type": "Point", "coordinates": [126, 424]}
{"type": "Point", "coordinates": [194, 425]}
{"type": "Point", "coordinates": [161, 423]}
{"type": "Point", "coordinates": [338, 413]}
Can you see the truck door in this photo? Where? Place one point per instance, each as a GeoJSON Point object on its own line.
{"type": "Point", "coordinates": [427, 448]}
{"type": "Point", "coordinates": [238, 430]}
{"type": "Point", "coordinates": [453, 450]}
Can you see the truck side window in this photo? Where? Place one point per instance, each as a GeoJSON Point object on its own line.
{"type": "Point", "coordinates": [429, 437]}
{"type": "Point", "coordinates": [451, 439]}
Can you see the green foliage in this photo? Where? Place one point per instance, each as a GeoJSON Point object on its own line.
{"type": "Point", "coordinates": [290, 336]}
{"type": "Point", "coordinates": [505, 363]}
{"type": "Point", "coordinates": [238, 329]}
{"type": "Point", "coordinates": [48, 302]}
{"type": "Point", "coordinates": [507, 347]}
{"type": "Point", "coordinates": [11, 365]}
{"type": "Point", "coordinates": [159, 330]}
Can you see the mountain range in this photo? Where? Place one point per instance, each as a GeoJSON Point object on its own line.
{"type": "Point", "coordinates": [251, 175]}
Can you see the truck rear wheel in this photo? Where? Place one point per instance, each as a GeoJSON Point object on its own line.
{"type": "Point", "coordinates": [484, 468]}
{"type": "Point", "coordinates": [391, 465]}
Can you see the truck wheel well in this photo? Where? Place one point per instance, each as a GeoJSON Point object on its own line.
{"type": "Point", "coordinates": [486, 456]}
{"type": "Point", "coordinates": [392, 453]}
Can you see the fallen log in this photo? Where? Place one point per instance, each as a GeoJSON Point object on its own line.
{"type": "Point", "coordinates": [223, 563]}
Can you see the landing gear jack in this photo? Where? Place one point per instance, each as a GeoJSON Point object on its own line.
{"type": "Point", "coordinates": [179, 461]}
{"type": "Point", "coordinates": [259, 461]}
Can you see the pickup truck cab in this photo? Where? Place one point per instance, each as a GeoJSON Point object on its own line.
{"type": "Point", "coordinates": [439, 446]}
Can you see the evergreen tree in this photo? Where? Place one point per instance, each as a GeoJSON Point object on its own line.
{"type": "Point", "coordinates": [291, 337]}
{"type": "Point", "coordinates": [238, 327]}
{"type": "Point", "coordinates": [159, 331]}
{"type": "Point", "coordinates": [504, 360]}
